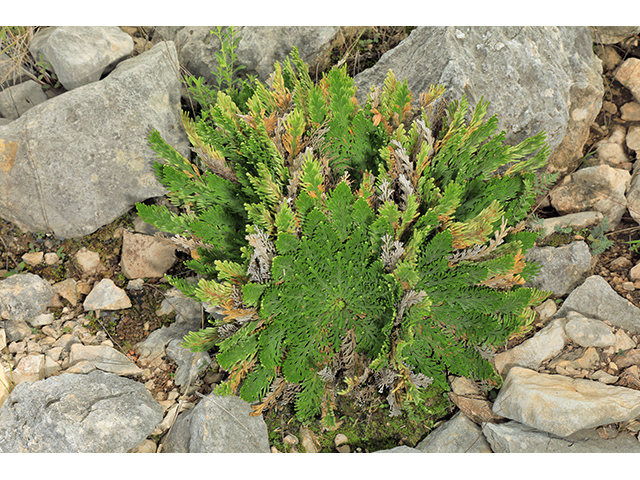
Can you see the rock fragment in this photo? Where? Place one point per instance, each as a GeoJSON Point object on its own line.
{"type": "Point", "coordinates": [562, 406]}
{"type": "Point", "coordinates": [106, 296]}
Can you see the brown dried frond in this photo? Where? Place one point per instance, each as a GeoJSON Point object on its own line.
{"type": "Point", "coordinates": [392, 251]}
{"type": "Point", "coordinates": [239, 373]}
{"type": "Point", "coordinates": [510, 279]}
{"type": "Point", "coordinates": [479, 251]}
{"type": "Point", "coordinates": [259, 269]}
{"type": "Point", "coordinates": [277, 387]}
{"type": "Point", "coordinates": [347, 352]}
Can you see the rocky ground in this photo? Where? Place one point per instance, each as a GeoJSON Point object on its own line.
{"type": "Point", "coordinates": [19, 254]}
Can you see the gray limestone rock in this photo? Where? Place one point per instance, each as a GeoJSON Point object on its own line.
{"type": "Point", "coordinates": [190, 364]}
{"type": "Point", "coordinates": [14, 101]}
{"type": "Point", "coordinates": [562, 268]}
{"type": "Point", "coordinates": [561, 405]}
{"type": "Point", "coordinates": [458, 435]}
{"type": "Point", "coordinates": [103, 358]}
{"type": "Point", "coordinates": [259, 48]}
{"type": "Point", "coordinates": [588, 332]}
{"type": "Point", "coordinates": [80, 55]}
{"type": "Point", "coordinates": [80, 160]}
{"type": "Point", "coordinates": [98, 413]}
{"type": "Point", "coordinates": [545, 344]}
{"type": "Point", "coordinates": [105, 295]}
{"type": "Point", "coordinates": [514, 437]}
{"type": "Point", "coordinates": [601, 188]}
{"type": "Point", "coordinates": [536, 78]}
{"type": "Point", "coordinates": [400, 449]}
{"type": "Point", "coordinates": [24, 296]}
{"type": "Point", "coordinates": [15, 330]}
{"type": "Point", "coordinates": [596, 299]}
{"type": "Point", "coordinates": [577, 221]}
{"type": "Point", "coordinates": [218, 425]}
{"type": "Point", "coordinates": [188, 319]}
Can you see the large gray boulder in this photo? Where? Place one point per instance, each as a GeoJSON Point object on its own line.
{"type": "Point", "coordinates": [79, 55]}
{"type": "Point", "coordinates": [596, 299]}
{"type": "Point", "coordinates": [514, 437]}
{"type": "Point", "coordinates": [458, 435]}
{"type": "Point", "coordinates": [562, 268]}
{"type": "Point", "coordinates": [218, 425]}
{"type": "Point", "coordinates": [95, 413]}
{"type": "Point", "coordinates": [561, 405]}
{"type": "Point", "coordinates": [82, 159]}
{"type": "Point", "coordinates": [259, 48]}
{"type": "Point", "coordinates": [24, 296]}
{"type": "Point", "coordinates": [536, 78]}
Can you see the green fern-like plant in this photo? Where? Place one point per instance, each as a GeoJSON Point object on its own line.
{"type": "Point", "coordinates": [350, 250]}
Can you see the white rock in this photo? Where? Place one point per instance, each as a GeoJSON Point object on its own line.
{"type": "Point", "coordinates": [3, 339]}
{"type": "Point", "coordinates": [547, 309]}
{"type": "Point", "coordinates": [54, 353]}
{"type": "Point", "coordinates": [41, 320]}
{"type": "Point", "coordinates": [5, 385]}
{"type": "Point", "coordinates": [630, 112]}
{"type": "Point", "coordinates": [604, 377]}
{"type": "Point", "coordinates": [67, 289]}
{"type": "Point", "coordinates": [340, 439]}
{"type": "Point", "coordinates": [623, 342]}
{"type": "Point", "coordinates": [50, 366]}
{"type": "Point", "coordinates": [30, 369]}
{"type": "Point", "coordinates": [103, 358]}
{"type": "Point", "coordinates": [89, 262]}
{"type": "Point", "coordinates": [588, 332]}
{"type": "Point", "coordinates": [545, 344]}
{"type": "Point", "coordinates": [513, 437]}
{"type": "Point", "coordinates": [106, 296]}
{"type": "Point", "coordinates": [33, 259]}
{"type": "Point", "coordinates": [611, 149]}
{"type": "Point", "coordinates": [633, 138]}
{"type": "Point", "coordinates": [51, 258]}
{"type": "Point", "coordinates": [81, 367]}
{"type": "Point", "coordinates": [562, 405]}
{"type": "Point", "coordinates": [629, 76]}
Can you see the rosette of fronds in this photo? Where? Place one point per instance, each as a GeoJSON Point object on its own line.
{"type": "Point", "coordinates": [358, 251]}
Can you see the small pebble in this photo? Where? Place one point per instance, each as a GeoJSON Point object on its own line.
{"type": "Point", "coordinates": [33, 258]}
{"type": "Point", "coordinates": [291, 440]}
{"type": "Point", "coordinates": [344, 449]}
{"type": "Point", "coordinates": [629, 286]}
{"type": "Point", "coordinates": [341, 439]}
{"type": "Point", "coordinates": [51, 258]}
{"type": "Point", "coordinates": [610, 107]}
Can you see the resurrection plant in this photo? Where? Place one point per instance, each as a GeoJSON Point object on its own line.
{"type": "Point", "coordinates": [350, 250]}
